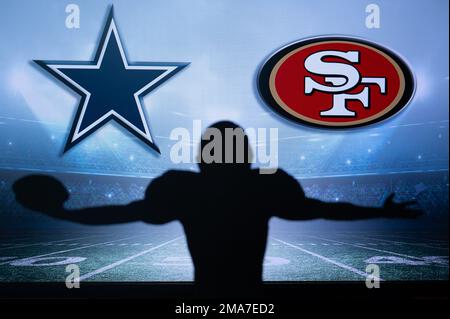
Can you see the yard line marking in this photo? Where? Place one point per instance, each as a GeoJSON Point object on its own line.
{"type": "Point", "coordinates": [78, 248]}
{"type": "Point", "coordinates": [435, 242]}
{"type": "Point", "coordinates": [368, 248]}
{"type": "Point", "coordinates": [7, 245]}
{"type": "Point", "coordinates": [117, 263]}
{"type": "Point", "coordinates": [336, 263]}
{"type": "Point", "coordinates": [15, 239]}
{"type": "Point", "coordinates": [406, 243]}
{"type": "Point", "coordinates": [412, 238]}
{"type": "Point", "coordinates": [50, 242]}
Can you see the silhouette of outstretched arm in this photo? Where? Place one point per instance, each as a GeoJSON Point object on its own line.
{"type": "Point", "coordinates": [347, 211]}
{"type": "Point", "coordinates": [294, 205]}
{"type": "Point", "coordinates": [103, 215]}
{"type": "Point", "coordinates": [47, 195]}
{"type": "Point", "coordinates": [308, 209]}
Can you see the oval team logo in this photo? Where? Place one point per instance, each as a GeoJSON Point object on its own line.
{"type": "Point", "coordinates": [336, 82]}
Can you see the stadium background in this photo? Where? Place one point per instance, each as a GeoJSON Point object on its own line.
{"type": "Point", "coordinates": [225, 42]}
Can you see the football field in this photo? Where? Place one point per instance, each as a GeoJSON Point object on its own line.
{"type": "Point", "coordinates": [161, 255]}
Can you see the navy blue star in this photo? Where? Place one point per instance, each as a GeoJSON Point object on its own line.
{"type": "Point", "coordinates": [110, 88]}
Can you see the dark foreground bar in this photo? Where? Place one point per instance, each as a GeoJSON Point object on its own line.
{"type": "Point", "coordinates": [415, 290]}
{"type": "Point", "coordinates": [281, 300]}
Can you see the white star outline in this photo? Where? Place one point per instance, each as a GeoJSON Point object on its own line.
{"type": "Point", "coordinates": [112, 29]}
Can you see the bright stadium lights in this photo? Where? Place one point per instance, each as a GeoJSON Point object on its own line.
{"type": "Point", "coordinates": [16, 79]}
{"type": "Point", "coordinates": [40, 97]}
{"type": "Point", "coordinates": [424, 85]}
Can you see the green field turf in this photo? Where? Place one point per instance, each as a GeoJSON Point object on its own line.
{"type": "Point", "coordinates": [161, 255]}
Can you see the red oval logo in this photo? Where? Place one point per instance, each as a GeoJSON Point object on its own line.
{"type": "Point", "coordinates": [336, 82]}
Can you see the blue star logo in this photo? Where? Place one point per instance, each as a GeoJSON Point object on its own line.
{"type": "Point", "coordinates": [110, 88]}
